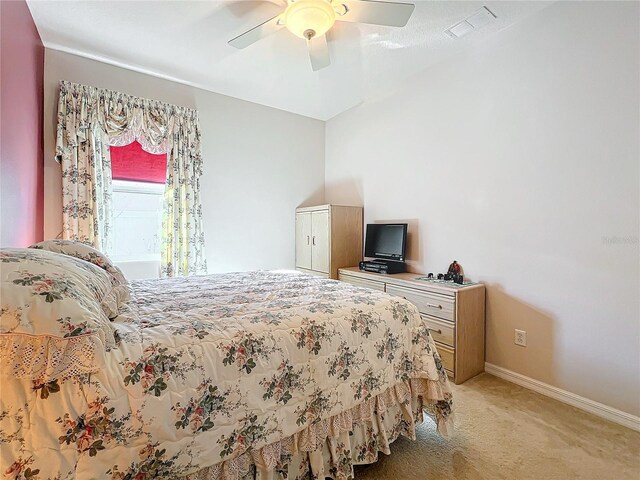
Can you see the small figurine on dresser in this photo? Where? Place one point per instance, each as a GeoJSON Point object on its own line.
{"type": "Point", "coordinates": [455, 273]}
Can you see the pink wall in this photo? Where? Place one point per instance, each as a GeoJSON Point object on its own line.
{"type": "Point", "coordinates": [21, 143]}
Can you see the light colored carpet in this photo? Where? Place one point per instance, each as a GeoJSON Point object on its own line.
{"type": "Point", "coordinates": [504, 431]}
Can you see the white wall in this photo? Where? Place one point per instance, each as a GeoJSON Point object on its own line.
{"type": "Point", "coordinates": [520, 159]}
{"type": "Point", "coordinates": [259, 163]}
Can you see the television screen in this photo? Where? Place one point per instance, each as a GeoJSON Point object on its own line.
{"type": "Point", "coordinates": [386, 241]}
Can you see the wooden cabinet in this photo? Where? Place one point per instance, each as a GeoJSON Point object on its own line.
{"type": "Point", "coordinates": [328, 237]}
{"type": "Point", "coordinates": [454, 315]}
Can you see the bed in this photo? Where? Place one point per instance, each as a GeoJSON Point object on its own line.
{"type": "Point", "coordinates": [259, 375]}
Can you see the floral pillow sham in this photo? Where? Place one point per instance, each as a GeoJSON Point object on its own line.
{"type": "Point", "coordinates": [85, 252]}
{"type": "Point", "coordinates": [53, 315]}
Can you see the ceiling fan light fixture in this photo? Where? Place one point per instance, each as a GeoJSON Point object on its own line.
{"type": "Point", "coordinates": [309, 18]}
{"type": "Point", "coordinates": [312, 19]}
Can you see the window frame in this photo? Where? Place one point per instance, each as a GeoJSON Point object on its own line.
{"type": "Point", "coordinates": [139, 188]}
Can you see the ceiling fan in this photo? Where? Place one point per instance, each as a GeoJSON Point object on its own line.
{"type": "Point", "coordinates": [312, 19]}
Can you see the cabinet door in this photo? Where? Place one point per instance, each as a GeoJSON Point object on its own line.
{"type": "Point", "coordinates": [303, 240]}
{"type": "Point", "coordinates": [320, 241]}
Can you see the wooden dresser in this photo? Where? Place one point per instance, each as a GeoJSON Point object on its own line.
{"type": "Point", "coordinates": [455, 315]}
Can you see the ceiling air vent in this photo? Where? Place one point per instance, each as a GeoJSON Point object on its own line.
{"type": "Point", "coordinates": [473, 22]}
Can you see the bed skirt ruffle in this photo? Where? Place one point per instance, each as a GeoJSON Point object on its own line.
{"type": "Point", "coordinates": [331, 447]}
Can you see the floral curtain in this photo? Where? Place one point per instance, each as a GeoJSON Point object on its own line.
{"type": "Point", "coordinates": [92, 119]}
{"type": "Point", "coordinates": [82, 148]}
{"type": "Point", "coordinates": [182, 235]}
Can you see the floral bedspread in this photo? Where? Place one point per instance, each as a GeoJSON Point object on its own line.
{"type": "Point", "coordinates": [214, 371]}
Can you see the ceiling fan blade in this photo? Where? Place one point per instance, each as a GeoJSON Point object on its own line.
{"type": "Point", "coordinates": [390, 14]}
{"type": "Point", "coordinates": [256, 33]}
{"type": "Point", "coordinates": [319, 53]}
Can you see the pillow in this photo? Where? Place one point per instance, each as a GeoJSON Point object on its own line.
{"type": "Point", "coordinates": [85, 252]}
{"type": "Point", "coordinates": [52, 315]}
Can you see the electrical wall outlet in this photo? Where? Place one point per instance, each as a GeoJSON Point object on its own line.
{"type": "Point", "coordinates": [521, 338]}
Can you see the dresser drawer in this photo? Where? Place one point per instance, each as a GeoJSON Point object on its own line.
{"type": "Point", "coordinates": [440, 306]}
{"type": "Point", "coordinates": [362, 282]}
{"type": "Point", "coordinates": [441, 331]}
{"type": "Point", "coordinates": [446, 355]}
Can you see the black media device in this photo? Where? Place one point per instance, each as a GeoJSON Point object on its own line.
{"type": "Point", "coordinates": [386, 243]}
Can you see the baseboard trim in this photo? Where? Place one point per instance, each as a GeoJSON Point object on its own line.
{"type": "Point", "coordinates": [596, 408]}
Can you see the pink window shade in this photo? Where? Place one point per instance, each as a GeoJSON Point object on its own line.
{"type": "Point", "coordinates": [132, 163]}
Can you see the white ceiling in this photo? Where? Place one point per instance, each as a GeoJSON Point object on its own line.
{"type": "Point", "coordinates": [186, 41]}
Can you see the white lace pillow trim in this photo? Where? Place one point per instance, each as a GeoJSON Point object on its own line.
{"type": "Point", "coordinates": [46, 358]}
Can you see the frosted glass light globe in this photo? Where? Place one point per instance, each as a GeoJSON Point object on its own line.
{"type": "Point", "coordinates": [309, 18]}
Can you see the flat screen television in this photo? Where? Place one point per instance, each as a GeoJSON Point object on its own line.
{"type": "Point", "coordinates": [387, 241]}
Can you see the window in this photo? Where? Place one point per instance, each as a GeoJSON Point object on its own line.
{"type": "Point", "coordinates": [137, 221]}
{"type": "Point", "coordinates": [138, 189]}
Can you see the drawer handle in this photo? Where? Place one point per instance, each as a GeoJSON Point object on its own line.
{"type": "Point", "coordinates": [439, 332]}
{"type": "Point", "coordinates": [434, 306]}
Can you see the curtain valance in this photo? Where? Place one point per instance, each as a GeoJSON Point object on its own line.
{"type": "Point", "coordinates": [122, 118]}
